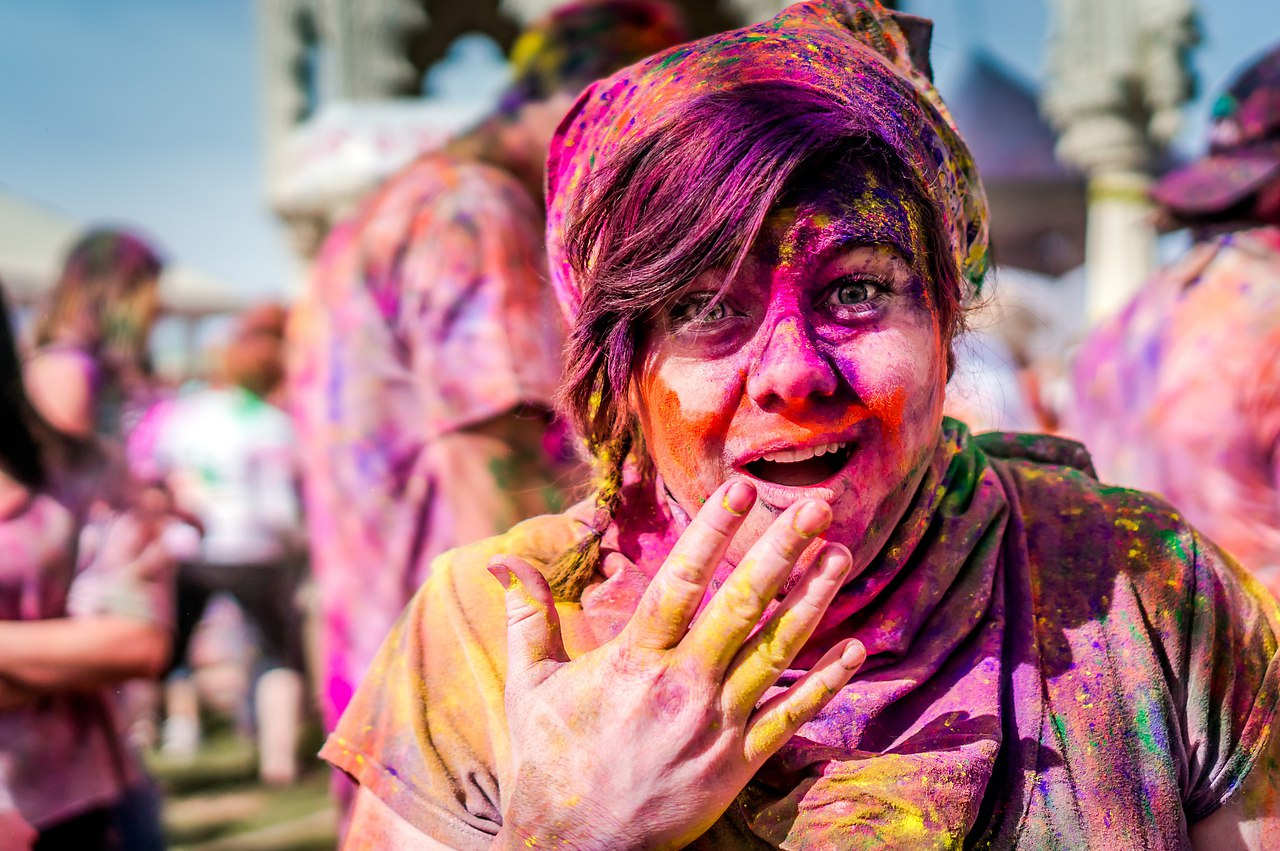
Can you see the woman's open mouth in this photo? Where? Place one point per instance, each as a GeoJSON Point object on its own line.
{"type": "Point", "coordinates": [801, 467]}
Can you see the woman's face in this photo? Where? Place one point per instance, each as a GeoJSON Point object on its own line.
{"type": "Point", "coordinates": [820, 374]}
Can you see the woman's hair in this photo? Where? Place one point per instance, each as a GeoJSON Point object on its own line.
{"type": "Point", "coordinates": [30, 448]}
{"type": "Point", "coordinates": [690, 196]}
{"type": "Point", "coordinates": [105, 298]}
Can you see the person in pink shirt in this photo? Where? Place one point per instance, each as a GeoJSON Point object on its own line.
{"type": "Point", "coordinates": [1179, 393]}
{"type": "Point", "coordinates": [85, 604]}
{"type": "Point", "coordinates": [426, 356]}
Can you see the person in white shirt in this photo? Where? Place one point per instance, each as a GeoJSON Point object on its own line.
{"type": "Point", "coordinates": [228, 455]}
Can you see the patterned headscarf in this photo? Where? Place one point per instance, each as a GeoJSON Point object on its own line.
{"type": "Point", "coordinates": [870, 61]}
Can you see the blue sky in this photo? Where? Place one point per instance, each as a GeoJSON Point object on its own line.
{"type": "Point", "coordinates": [147, 111]}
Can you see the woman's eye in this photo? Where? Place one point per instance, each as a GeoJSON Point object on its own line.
{"type": "Point", "coordinates": [852, 293]}
{"type": "Point", "coordinates": [699, 311]}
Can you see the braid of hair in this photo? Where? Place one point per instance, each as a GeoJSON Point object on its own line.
{"type": "Point", "coordinates": [573, 570]}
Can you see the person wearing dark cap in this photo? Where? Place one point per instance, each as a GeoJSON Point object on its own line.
{"type": "Point", "coordinates": [427, 355]}
{"type": "Point", "coordinates": [1179, 393]}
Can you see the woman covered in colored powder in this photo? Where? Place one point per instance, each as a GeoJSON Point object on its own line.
{"type": "Point", "coordinates": [805, 610]}
{"type": "Point", "coordinates": [426, 357]}
{"type": "Point", "coordinates": [85, 604]}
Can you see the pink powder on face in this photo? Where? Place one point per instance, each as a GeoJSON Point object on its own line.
{"type": "Point", "coordinates": [784, 368]}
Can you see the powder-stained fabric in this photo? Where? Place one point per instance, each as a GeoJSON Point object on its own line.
{"type": "Point", "coordinates": [428, 312]}
{"type": "Point", "coordinates": [1052, 663]}
{"type": "Point", "coordinates": [1179, 393]}
{"type": "Point", "coordinates": [65, 752]}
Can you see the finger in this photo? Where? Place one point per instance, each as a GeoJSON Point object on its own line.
{"type": "Point", "coordinates": [533, 625]}
{"type": "Point", "coordinates": [779, 717]}
{"type": "Point", "coordinates": [774, 647]}
{"type": "Point", "coordinates": [737, 607]}
{"type": "Point", "coordinates": [672, 598]}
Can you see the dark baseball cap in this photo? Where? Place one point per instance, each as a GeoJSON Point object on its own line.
{"type": "Point", "coordinates": [1244, 146]}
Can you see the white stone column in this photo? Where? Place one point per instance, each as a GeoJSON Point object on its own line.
{"type": "Point", "coordinates": [282, 52]}
{"type": "Point", "coordinates": [1119, 73]}
{"type": "Point", "coordinates": [368, 39]}
{"type": "Point", "coordinates": [1120, 243]}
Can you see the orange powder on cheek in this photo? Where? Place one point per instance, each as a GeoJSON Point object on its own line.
{"type": "Point", "coordinates": [889, 408]}
{"type": "Point", "coordinates": [682, 435]}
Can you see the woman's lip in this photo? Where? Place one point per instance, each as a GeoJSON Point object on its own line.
{"type": "Point", "coordinates": [759, 452]}
{"type": "Point", "coordinates": [781, 496]}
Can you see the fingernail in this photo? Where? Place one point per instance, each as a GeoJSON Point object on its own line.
{"type": "Point", "coordinates": [812, 518]}
{"type": "Point", "coordinates": [501, 573]}
{"type": "Point", "coordinates": [836, 561]}
{"type": "Point", "coordinates": [854, 654]}
{"type": "Point", "coordinates": [738, 498]}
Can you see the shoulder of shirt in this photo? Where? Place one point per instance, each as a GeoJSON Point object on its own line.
{"type": "Point", "coordinates": [539, 540]}
{"type": "Point", "coordinates": [1106, 534]}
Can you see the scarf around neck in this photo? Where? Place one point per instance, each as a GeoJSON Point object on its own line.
{"type": "Point", "coordinates": [939, 738]}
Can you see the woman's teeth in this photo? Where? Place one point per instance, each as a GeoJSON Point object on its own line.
{"type": "Point", "coordinates": [791, 456]}
{"type": "Point", "coordinates": [801, 467]}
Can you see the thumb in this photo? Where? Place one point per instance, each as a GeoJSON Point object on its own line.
{"type": "Point", "coordinates": [533, 625]}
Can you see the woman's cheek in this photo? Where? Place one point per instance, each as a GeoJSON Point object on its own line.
{"type": "Point", "coordinates": [899, 378]}
{"type": "Point", "coordinates": [687, 408]}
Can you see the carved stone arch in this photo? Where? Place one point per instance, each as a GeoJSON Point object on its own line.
{"type": "Point", "coordinates": [502, 21]}
{"type": "Point", "coordinates": [370, 39]}
{"type": "Point", "coordinates": [449, 19]}
{"type": "Point", "coordinates": [307, 38]}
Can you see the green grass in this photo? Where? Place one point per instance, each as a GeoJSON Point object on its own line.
{"type": "Point", "coordinates": [214, 802]}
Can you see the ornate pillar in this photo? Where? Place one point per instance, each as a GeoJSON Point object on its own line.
{"type": "Point", "coordinates": [370, 45]}
{"type": "Point", "coordinates": [288, 31]}
{"type": "Point", "coordinates": [1119, 74]}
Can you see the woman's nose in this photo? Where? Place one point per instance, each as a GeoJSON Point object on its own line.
{"type": "Point", "coordinates": [791, 370]}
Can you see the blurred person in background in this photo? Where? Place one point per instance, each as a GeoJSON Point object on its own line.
{"type": "Point", "coordinates": [228, 455]}
{"type": "Point", "coordinates": [85, 604]}
{"type": "Point", "coordinates": [1180, 392]}
{"type": "Point", "coordinates": [427, 355]}
{"type": "Point", "coordinates": [90, 367]}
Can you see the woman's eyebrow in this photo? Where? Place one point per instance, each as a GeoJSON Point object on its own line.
{"type": "Point", "coordinates": [872, 238]}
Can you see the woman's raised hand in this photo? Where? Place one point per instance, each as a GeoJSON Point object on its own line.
{"type": "Point", "coordinates": [646, 740]}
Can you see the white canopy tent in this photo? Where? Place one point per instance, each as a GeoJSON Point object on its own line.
{"type": "Point", "coordinates": [34, 240]}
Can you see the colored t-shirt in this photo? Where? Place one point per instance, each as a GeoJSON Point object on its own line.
{"type": "Point", "coordinates": [65, 751]}
{"type": "Point", "coordinates": [428, 312]}
{"type": "Point", "coordinates": [1052, 663]}
{"type": "Point", "coordinates": [231, 459]}
{"type": "Point", "coordinates": [1179, 393]}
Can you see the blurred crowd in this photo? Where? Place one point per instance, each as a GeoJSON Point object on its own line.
{"type": "Point", "coordinates": [293, 498]}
